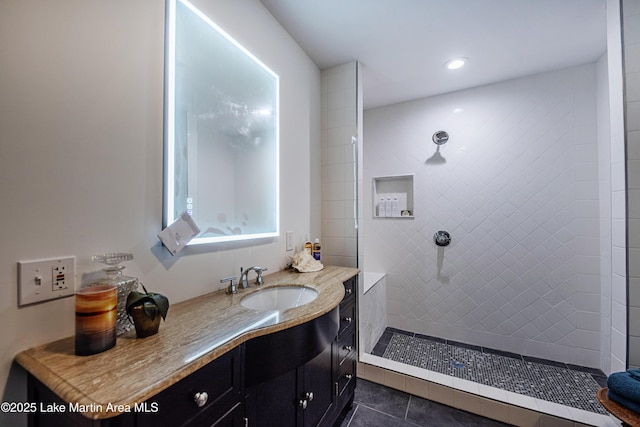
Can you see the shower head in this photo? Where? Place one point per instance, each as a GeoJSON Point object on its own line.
{"type": "Point", "coordinates": [440, 137]}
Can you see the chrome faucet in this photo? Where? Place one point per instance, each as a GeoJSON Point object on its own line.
{"type": "Point", "coordinates": [244, 273]}
{"type": "Point", "coordinates": [244, 283]}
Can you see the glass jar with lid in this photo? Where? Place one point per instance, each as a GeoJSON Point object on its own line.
{"type": "Point", "coordinates": [124, 284]}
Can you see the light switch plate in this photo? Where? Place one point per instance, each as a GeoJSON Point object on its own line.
{"type": "Point", "coordinates": [46, 279]}
{"type": "Point", "coordinates": [289, 240]}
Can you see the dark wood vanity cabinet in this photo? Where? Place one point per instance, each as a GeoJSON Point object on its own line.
{"type": "Point", "coordinates": [318, 392]}
{"type": "Point", "coordinates": [302, 376]}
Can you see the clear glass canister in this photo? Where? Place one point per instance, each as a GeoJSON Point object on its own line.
{"type": "Point", "coordinates": [125, 284]}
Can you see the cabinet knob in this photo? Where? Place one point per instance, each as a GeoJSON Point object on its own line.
{"type": "Point", "coordinates": [348, 347]}
{"type": "Point", "coordinates": [348, 291]}
{"type": "Point", "coordinates": [348, 376]}
{"type": "Point", "coordinates": [348, 319]}
{"type": "Point", "coordinates": [201, 398]}
{"type": "Point", "coordinates": [309, 396]}
{"type": "Point", "coordinates": [303, 403]}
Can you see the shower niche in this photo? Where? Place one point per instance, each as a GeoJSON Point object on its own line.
{"type": "Point", "coordinates": [393, 197]}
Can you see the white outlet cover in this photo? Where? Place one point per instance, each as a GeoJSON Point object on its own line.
{"type": "Point", "coordinates": [46, 279]}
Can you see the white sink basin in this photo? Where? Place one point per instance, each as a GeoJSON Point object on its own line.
{"type": "Point", "coordinates": [279, 298]}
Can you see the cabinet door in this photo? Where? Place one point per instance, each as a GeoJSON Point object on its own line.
{"type": "Point", "coordinates": [317, 388]}
{"type": "Point", "coordinates": [273, 403]}
{"type": "Point", "coordinates": [301, 397]}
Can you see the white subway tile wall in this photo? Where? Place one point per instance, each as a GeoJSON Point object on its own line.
{"type": "Point", "coordinates": [339, 126]}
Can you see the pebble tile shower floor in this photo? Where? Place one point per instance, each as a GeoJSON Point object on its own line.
{"type": "Point", "coordinates": [545, 380]}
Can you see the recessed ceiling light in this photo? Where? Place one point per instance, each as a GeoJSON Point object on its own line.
{"type": "Point", "coordinates": [455, 63]}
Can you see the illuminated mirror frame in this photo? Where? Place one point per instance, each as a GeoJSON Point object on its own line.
{"type": "Point", "coordinates": [169, 208]}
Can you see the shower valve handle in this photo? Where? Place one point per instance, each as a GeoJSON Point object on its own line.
{"type": "Point", "coordinates": [442, 238]}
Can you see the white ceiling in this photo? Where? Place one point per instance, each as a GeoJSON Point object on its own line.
{"type": "Point", "coordinates": [403, 44]}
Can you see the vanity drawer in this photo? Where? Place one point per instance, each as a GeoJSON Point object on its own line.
{"type": "Point", "coordinates": [347, 375]}
{"type": "Point", "coordinates": [220, 380]}
{"type": "Point", "coordinates": [350, 290]}
{"type": "Point", "coordinates": [346, 344]}
{"type": "Point", "coordinates": [347, 317]}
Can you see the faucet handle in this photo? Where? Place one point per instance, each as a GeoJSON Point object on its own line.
{"type": "Point", "coordinates": [259, 270]}
{"type": "Point", "coordinates": [232, 289]}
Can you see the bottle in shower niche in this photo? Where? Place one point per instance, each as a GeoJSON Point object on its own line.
{"type": "Point", "coordinates": [388, 206]}
{"type": "Point", "coordinates": [382, 209]}
{"type": "Point", "coordinates": [395, 206]}
{"type": "Point", "coordinates": [316, 249]}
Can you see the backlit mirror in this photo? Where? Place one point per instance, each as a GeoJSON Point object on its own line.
{"type": "Point", "coordinates": [221, 131]}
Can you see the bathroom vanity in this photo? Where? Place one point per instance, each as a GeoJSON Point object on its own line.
{"type": "Point", "coordinates": [316, 392]}
{"type": "Point", "coordinates": [214, 362]}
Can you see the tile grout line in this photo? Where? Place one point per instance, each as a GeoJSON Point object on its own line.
{"type": "Point", "coordinates": [378, 411]}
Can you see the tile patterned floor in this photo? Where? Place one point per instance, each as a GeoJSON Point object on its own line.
{"type": "Point", "coordinates": [378, 406]}
{"type": "Point", "coordinates": [547, 380]}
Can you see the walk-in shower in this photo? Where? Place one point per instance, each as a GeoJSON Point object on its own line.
{"type": "Point", "coordinates": [523, 192]}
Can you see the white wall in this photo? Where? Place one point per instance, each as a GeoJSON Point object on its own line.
{"type": "Point", "coordinates": [518, 193]}
{"type": "Point", "coordinates": [81, 152]}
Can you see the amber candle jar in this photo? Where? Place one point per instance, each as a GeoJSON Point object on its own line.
{"type": "Point", "coordinates": [96, 319]}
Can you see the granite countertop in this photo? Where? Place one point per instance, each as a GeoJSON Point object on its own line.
{"type": "Point", "coordinates": [196, 332]}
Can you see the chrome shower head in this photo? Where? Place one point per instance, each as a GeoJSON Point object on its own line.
{"type": "Point", "coordinates": [440, 137]}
